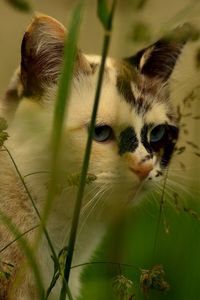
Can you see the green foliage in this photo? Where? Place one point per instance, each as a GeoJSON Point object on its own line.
{"type": "Point", "coordinates": [58, 270]}
{"type": "Point", "coordinates": [153, 279]}
{"type": "Point", "coordinates": [27, 251]}
{"type": "Point", "coordinates": [139, 4]}
{"type": "Point", "coordinates": [123, 287]}
{"type": "Point", "coordinates": [66, 78]}
{"type": "Point", "coordinates": [3, 133]}
{"type": "Point", "coordinates": [177, 250]}
{"type": "Point", "coordinates": [84, 170]}
{"type": "Point", "coordinates": [59, 115]}
{"type": "Point", "coordinates": [141, 32]}
{"type": "Point", "coordinates": [62, 102]}
{"type": "Point", "coordinates": [22, 5]}
{"type": "Point", "coordinates": [105, 13]}
{"type": "Point", "coordinates": [178, 227]}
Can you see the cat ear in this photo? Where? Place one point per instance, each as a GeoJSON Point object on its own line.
{"type": "Point", "coordinates": [42, 55]}
{"type": "Point", "coordinates": [159, 59]}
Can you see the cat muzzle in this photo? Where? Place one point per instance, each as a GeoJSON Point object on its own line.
{"type": "Point", "coordinates": [142, 171]}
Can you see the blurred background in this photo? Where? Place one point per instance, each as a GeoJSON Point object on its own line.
{"type": "Point", "coordinates": [176, 245]}
{"type": "Point", "coordinates": [137, 24]}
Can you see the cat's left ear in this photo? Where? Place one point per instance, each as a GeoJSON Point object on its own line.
{"type": "Point", "coordinates": [159, 59]}
{"type": "Point", "coordinates": [42, 55]}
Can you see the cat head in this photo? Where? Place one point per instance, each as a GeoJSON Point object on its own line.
{"type": "Point", "coordinates": [136, 126]}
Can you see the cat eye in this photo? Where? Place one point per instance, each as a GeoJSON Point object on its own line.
{"type": "Point", "coordinates": [103, 133]}
{"type": "Point", "coordinates": [157, 134]}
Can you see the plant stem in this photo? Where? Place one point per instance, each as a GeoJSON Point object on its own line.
{"type": "Point", "coordinates": [17, 238]}
{"type": "Point", "coordinates": [86, 160]}
{"type": "Point", "coordinates": [160, 214]}
{"type": "Point", "coordinates": [104, 263]}
{"type": "Point", "coordinates": [35, 173]}
{"type": "Point", "coordinates": [33, 203]}
{"type": "Point", "coordinates": [28, 252]}
{"type": "Point", "coordinates": [60, 112]}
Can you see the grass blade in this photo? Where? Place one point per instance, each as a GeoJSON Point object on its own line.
{"type": "Point", "coordinates": [17, 238]}
{"type": "Point", "coordinates": [33, 203]}
{"type": "Point", "coordinates": [62, 100]}
{"type": "Point", "coordinates": [22, 5]}
{"type": "Point", "coordinates": [28, 252]}
{"type": "Point", "coordinates": [85, 166]}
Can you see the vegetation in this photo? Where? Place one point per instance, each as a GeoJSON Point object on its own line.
{"type": "Point", "coordinates": [153, 251]}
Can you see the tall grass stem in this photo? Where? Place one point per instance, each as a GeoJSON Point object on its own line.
{"type": "Point", "coordinates": [80, 194]}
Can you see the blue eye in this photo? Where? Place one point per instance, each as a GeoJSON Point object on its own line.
{"type": "Point", "coordinates": [157, 134]}
{"type": "Point", "coordinates": [103, 133]}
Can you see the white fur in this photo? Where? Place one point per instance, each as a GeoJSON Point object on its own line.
{"type": "Point", "coordinates": [29, 143]}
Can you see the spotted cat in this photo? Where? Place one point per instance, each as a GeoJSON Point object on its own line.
{"type": "Point", "coordinates": [135, 134]}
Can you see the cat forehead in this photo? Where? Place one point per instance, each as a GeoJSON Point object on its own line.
{"type": "Point", "coordinates": [122, 101]}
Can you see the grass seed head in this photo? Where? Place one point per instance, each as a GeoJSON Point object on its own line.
{"type": "Point", "coordinates": [154, 279]}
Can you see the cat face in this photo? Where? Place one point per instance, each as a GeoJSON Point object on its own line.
{"type": "Point", "coordinates": [135, 132]}
{"type": "Point", "coordinates": [136, 126]}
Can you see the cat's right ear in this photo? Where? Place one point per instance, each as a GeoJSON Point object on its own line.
{"type": "Point", "coordinates": [42, 55]}
{"type": "Point", "coordinates": [159, 59]}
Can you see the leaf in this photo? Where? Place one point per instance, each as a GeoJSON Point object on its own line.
{"type": "Point", "coordinates": [141, 32]}
{"type": "Point", "coordinates": [193, 145]}
{"type": "Point", "coordinates": [85, 165]}
{"type": "Point", "coordinates": [104, 13]}
{"type": "Point", "coordinates": [61, 105]}
{"type": "Point", "coordinates": [3, 134]}
{"type": "Point", "coordinates": [22, 5]}
{"type": "Point", "coordinates": [3, 124]}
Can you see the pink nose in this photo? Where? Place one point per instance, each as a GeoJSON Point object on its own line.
{"type": "Point", "coordinates": [142, 170]}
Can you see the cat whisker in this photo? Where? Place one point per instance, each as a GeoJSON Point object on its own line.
{"type": "Point", "coordinates": [93, 205]}
{"type": "Point", "coordinates": [91, 196]}
{"type": "Point", "coordinates": [66, 229]}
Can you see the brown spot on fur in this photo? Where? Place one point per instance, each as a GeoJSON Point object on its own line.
{"type": "Point", "coordinates": [125, 75]}
{"type": "Point", "coordinates": [142, 106]}
{"type": "Point", "coordinates": [124, 88]}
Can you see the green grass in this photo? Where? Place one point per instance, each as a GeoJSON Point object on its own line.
{"type": "Point", "coordinates": [145, 237]}
{"type": "Point", "coordinates": [178, 253]}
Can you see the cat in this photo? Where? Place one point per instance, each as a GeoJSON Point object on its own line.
{"type": "Point", "coordinates": [135, 135]}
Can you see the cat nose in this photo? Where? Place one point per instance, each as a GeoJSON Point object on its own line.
{"type": "Point", "coordinates": [142, 170]}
